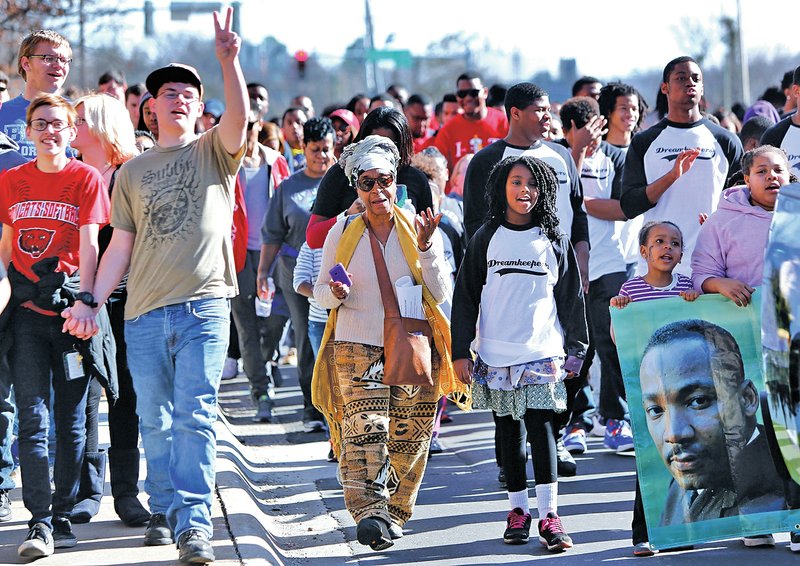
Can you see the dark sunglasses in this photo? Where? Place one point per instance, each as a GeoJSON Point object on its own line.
{"type": "Point", "coordinates": [368, 183]}
{"type": "Point", "coordinates": [465, 92]}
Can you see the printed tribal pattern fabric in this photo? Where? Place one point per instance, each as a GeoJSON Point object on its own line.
{"type": "Point", "coordinates": [385, 435]}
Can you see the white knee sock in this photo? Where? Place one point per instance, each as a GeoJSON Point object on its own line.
{"type": "Point", "coordinates": [547, 499]}
{"type": "Point", "coordinates": [519, 499]}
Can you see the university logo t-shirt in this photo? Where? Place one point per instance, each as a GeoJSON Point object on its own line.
{"type": "Point", "coordinates": [46, 211]}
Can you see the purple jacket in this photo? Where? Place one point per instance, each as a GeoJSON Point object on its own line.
{"type": "Point", "coordinates": [732, 241]}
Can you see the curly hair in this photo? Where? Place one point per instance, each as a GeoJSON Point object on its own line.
{"type": "Point", "coordinates": [431, 162]}
{"type": "Point", "coordinates": [578, 109]}
{"type": "Point", "coordinates": [317, 128]}
{"type": "Point", "coordinates": [544, 211]}
{"type": "Point", "coordinates": [608, 100]}
{"type": "Point", "coordinates": [522, 95]}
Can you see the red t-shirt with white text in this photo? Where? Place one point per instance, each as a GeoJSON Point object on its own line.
{"type": "Point", "coordinates": [461, 136]}
{"type": "Point", "coordinates": [46, 211]}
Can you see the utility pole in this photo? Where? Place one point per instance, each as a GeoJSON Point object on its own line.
{"type": "Point", "coordinates": [82, 41]}
{"type": "Point", "coordinates": [236, 24]}
{"type": "Point", "coordinates": [149, 28]}
{"type": "Point", "coordinates": [371, 65]}
{"type": "Point", "coordinates": [743, 60]}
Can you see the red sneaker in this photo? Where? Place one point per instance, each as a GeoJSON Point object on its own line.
{"type": "Point", "coordinates": [518, 527]}
{"type": "Point", "coordinates": [552, 534]}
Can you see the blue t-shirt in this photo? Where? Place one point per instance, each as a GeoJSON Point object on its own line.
{"type": "Point", "coordinates": [289, 211]}
{"type": "Point", "coordinates": [12, 124]}
{"type": "Point", "coordinates": [257, 193]}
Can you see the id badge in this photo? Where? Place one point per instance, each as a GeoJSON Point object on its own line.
{"type": "Point", "coordinates": [73, 365]}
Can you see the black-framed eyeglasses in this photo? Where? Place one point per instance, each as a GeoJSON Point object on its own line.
{"type": "Point", "coordinates": [40, 125]}
{"type": "Point", "coordinates": [465, 92]}
{"type": "Point", "coordinates": [52, 59]}
{"type": "Point", "coordinates": [366, 184]}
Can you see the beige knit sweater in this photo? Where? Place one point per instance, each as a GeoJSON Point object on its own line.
{"type": "Point", "coordinates": [360, 317]}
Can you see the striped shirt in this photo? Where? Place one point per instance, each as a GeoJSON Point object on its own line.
{"type": "Point", "coordinates": [637, 289]}
{"type": "Point", "coordinates": [305, 271]}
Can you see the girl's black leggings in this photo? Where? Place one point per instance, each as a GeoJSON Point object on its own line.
{"type": "Point", "coordinates": [538, 427]}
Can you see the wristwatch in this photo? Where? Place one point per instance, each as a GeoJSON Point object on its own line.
{"type": "Point", "coordinates": [86, 298]}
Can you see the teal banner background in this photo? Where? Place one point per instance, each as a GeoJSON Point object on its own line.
{"type": "Point", "coordinates": [633, 327]}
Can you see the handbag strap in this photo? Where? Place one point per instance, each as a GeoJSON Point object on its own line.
{"type": "Point", "coordinates": [391, 309]}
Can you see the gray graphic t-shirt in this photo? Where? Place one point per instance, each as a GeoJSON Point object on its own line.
{"type": "Point", "coordinates": [179, 203]}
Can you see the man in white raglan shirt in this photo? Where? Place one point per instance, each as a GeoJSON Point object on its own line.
{"type": "Point", "coordinates": [676, 169]}
{"type": "Point", "coordinates": [786, 133]}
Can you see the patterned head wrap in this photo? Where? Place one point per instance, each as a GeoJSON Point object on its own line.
{"type": "Point", "coordinates": [373, 152]}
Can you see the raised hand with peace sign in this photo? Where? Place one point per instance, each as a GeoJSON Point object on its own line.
{"type": "Point", "coordinates": [227, 42]}
{"type": "Point", "coordinates": [233, 123]}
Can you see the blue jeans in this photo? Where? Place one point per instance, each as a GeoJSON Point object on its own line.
{"type": "Point", "coordinates": [7, 413]}
{"type": "Point", "coordinates": [39, 347]}
{"type": "Point", "coordinates": [175, 355]}
{"type": "Point", "coordinates": [315, 332]}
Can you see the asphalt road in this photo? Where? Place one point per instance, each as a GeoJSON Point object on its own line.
{"type": "Point", "coordinates": [460, 513]}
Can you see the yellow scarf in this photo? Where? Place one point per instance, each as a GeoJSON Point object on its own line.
{"type": "Point", "coordinates": [325, 392]}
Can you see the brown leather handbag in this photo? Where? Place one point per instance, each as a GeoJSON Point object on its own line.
{"type": "Point", "coordinates": [406, 341]}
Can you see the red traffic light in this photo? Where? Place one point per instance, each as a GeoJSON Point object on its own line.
{"type": "Point", "coordinates": [301, 56]}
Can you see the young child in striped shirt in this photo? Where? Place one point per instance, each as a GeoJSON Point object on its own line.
{"type": "Point", "coordinates": [661, 245]}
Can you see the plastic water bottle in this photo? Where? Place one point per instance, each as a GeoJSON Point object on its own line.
{"type": "Point", "coordinates": [403, 201]}
{"type": "Point", "coordinates": [264, 300]}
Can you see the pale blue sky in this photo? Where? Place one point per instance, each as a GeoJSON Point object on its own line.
{"type": "Point", "coordinates": [607, 38]}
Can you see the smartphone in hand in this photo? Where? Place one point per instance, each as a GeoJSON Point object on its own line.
{"type": "Point", "coordinates": [573, 364]}
{"type": "Point", "coordinates": [339, 273]}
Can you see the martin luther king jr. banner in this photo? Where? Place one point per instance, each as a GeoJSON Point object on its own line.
{"type": "Point", "coordinates": [692, 373]}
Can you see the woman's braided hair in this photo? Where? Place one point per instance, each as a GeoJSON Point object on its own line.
{"type": "Point", "coordinates": [544, 211]}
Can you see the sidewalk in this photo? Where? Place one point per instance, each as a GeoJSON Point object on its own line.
{"type": "Point", "coordinates": [265, 511]}
{"type": "Point", "coordinates": [106, 540]}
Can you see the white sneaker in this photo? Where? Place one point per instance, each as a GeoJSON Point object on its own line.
{"type": "Point", "coordinates": [598, 429]}
{"type": "Point", "coordinates": [313, 426]}
{"type": "Point", "coordinates": [759, 540]}
{"type": "Point", "coordinates": [230, 369]}
{"type": "Point", "coordinates": [38, 543]}
{"type": "Point", "coordinates": [794, 541]}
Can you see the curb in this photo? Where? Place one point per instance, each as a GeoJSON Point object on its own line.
{"type": "Point", "coordinates": [248, 525]}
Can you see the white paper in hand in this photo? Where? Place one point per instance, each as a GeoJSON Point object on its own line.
{"type": "Point", "coordinates": [409, 298]}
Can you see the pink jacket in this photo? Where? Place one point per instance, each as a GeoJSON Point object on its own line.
{"type": "Point", "coordinates": [732, 241]}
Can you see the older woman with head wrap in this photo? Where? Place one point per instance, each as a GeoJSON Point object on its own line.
{"type": "Point", "coordinates": [380, 432]}
{"type": "Point", "coordinates": [337, 197]}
